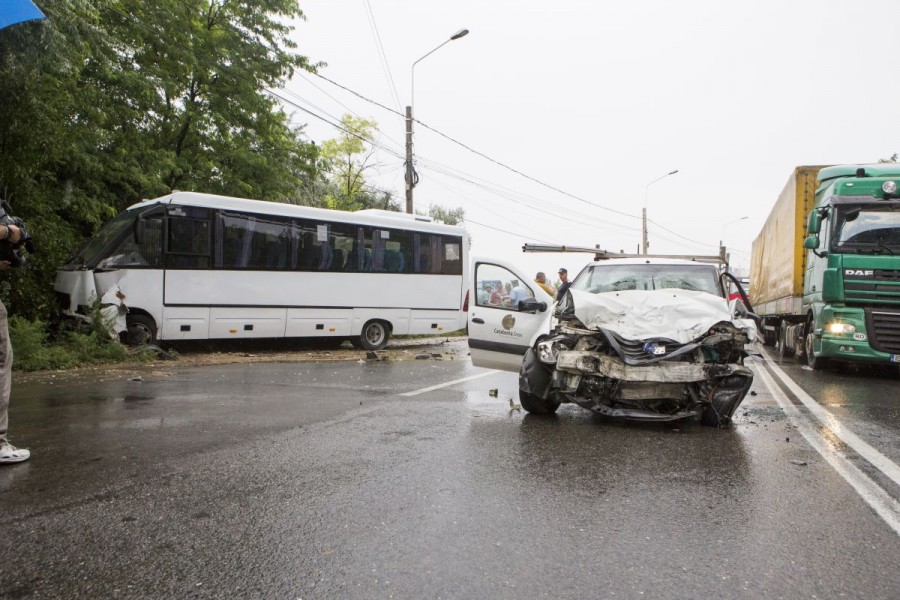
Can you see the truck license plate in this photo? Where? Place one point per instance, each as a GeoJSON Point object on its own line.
{"type": "Point", "coordinates": [895, 358]}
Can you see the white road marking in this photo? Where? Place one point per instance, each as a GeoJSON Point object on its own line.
{"type": "Point", "coordinates": [449, 383]}
{"type": "Point", "coordinates": [872, 494]}
{"type": "Point", "coordinates": [878, 460]}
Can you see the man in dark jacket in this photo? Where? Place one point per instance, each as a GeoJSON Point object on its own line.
{"type": "Point", "coordinates": [564, 286]}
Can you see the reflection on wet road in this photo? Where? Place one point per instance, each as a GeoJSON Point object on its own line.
{"type": "Point", "coordinates": [322, 480]}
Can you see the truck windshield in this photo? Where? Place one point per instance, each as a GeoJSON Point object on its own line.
{"type": "Point", "coordinates": [869, 229]}
{"type": "Point", "coordinates": [599, 279]}
{"type": "Point", "coordinates": [90, 252]}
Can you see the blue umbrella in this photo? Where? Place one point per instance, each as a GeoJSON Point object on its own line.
{"type": "Point", "coordinates": [16, 11]}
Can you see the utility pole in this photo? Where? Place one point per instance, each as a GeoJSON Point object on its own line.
{"type": "Point", "coordinates": [409, 158]}
{"type": "Point", "coordinates": [644, 227]}
{"type": "Point", "coordinates": [410, 172]}
{"type": "Point", "coordinates": [644, 242]}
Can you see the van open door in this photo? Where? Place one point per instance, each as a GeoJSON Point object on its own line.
{"type": "Point", "coordinates": [507, 315]}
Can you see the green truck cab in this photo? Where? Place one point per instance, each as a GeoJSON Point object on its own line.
{"type": "Point", "coordinates": [851, 284]}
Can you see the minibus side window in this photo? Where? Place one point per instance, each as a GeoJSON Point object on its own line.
{"type": "Point", "coordinates": [188, 239]}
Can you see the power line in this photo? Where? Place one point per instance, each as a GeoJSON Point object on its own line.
{"type": "Point", "coordinates": [384, 61]}
{"type": "Point", "coordinates": [503, 165]}
{"type": "Point", "coordinates": [467, 220]}
{"type": "Point", "coordinates": [484, 207]}
{"type": "Point", "coordinates": [373, 142]}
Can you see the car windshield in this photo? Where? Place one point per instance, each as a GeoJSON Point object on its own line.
{"type": "Point", "coordinates": [599, 279]}
{"type": "Point", "coordinates": [89, 253]}
{"type": "Point", "coordinates": [869, 229]}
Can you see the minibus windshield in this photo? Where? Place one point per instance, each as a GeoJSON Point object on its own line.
{"type": "Point", "coordinates": [90, 252]}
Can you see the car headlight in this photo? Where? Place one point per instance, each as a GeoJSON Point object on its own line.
{"type": "Point", "coordinates": [548, 352]}
{"type": "Point", "coordinates": [840, 328]}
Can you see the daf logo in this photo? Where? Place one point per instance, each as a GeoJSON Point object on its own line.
{"type": "Point", "coordinates": [858, 273]}
{"type": "Point", "coordinates": [508, 322]}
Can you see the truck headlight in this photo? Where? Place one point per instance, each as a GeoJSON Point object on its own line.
{"type": "Point", "coordinates": [889, 187]}
{"type": "Point", "coordinates": [840, 328]}
{"type": "Point", "coordinates": [548, 352]}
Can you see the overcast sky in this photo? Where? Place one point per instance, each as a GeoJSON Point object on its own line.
{"type": "Point", "coordinates": [597, 99]}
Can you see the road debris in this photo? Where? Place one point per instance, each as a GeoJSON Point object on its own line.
{"type": "Point", "coordinates": [492, 393]}
{"type": "Point", "coordinates": [799, 463]}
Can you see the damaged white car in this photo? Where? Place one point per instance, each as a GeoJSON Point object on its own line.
{"type": "Point", "coordinates": [641, 339]}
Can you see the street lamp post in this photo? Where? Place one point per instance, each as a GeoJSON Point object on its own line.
{"type": "Point", "coordinates": [644, 242]}
{"type": "Point", "coordinates": [410, 174]}
{"type": "Point", "coordinates": [722, 233]}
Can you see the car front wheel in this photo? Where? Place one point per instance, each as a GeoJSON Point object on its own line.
{"type": "Point", "coordinates": [537, 405]}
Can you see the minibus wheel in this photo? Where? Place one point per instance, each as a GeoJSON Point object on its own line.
{"type": "Point", "coordinates": [374, 335]}
{"type": "Point", "coordinates": [141, 330]}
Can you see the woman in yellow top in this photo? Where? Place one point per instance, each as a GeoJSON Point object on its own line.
{"type": "Point", "coordinates": [541, 280]}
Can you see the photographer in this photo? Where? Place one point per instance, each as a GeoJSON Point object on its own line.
{"type": "Point", "coordinates": [11, 234]}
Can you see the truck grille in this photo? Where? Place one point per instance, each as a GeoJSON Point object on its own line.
{"type": "Point", "coordinates": [884, 330]}
{"type": "Point", "coordinates": [882, 288]}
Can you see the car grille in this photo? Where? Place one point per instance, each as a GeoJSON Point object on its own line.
{"type": "Point", "coordinates": [633, 352]}
{"type": "Point", "coordinates": [882, 288]}
{"type": "Point", "coordinates": [884, 330]}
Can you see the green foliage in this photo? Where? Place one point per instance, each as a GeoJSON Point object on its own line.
{"type": "Point", "coordinates": [890, 159]}
{"type": "Point", "coordinates": [33, 351]}
{"type": "Point", "coordinates": [107, 102]}
{"type": "Point", "coordinates": [448, 216]}
{"type": "Point", "coordinates": [346, 159]}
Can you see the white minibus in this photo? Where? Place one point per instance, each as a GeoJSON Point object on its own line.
{"type": "Point", "coordinates": [191, 266]}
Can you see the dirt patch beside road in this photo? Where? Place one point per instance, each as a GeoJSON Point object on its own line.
{"type": "Point", "coordinates": [253, 351]}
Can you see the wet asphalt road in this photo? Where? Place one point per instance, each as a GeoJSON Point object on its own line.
{"type": "Point", "coordinates": [305, 480]}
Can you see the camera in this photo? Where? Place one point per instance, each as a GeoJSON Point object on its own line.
{"type": "Point", "coordinates": [16, 253]}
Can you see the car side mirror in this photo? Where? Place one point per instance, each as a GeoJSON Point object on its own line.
{"type": "Point", "coordinates": [530, 305]}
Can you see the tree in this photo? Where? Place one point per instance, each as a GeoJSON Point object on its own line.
{"type": "Point", "coordinates": [891, 159]}
{"type": "Point", "coordinates": [108, 102]}
{"type": "Point", "coordinates": [347, 159]}
{"type": "Point", "coordinates": [448, 216]}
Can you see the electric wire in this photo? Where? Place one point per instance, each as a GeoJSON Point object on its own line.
{"type": "Point", "coordinates": [483, 206]}
{"type": "Point", "coordinates": [481, 154]}
{"type": "Point", "coordinates": [384, 61]}
{"type": "Point", "coordinates": [391, 151]}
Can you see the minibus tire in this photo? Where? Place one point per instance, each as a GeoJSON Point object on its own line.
{"type": "Point", "coordinates": [374, 335]}
{"type": "Point", "coordinates": [141, 330]}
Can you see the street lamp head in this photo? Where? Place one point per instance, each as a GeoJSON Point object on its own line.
{"type": "Point", "coordinates": [459, 34]}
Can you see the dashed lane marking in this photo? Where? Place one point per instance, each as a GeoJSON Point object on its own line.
{"type": "Point", "coordinates": [449, 383]}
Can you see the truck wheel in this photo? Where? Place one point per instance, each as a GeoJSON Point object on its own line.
{"type": "Point", "coordinates": [537, 405]}
{"type": "Point", "coordinates": [816, 363]}
{"type": "Point", "coordinates": [783, 351]}
{"type": "Point", "coordinates": [140, 330]}
{"type": "Point", "coordinates": [374, 335]}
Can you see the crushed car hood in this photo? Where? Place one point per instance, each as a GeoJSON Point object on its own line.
{"type": "Point", "coordinates": [679, 315]}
